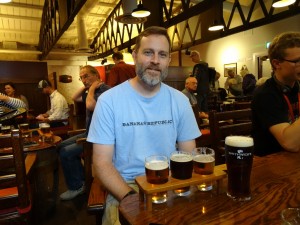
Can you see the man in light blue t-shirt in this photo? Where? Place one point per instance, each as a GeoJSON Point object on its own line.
{"type": "Point", "coordinates": [139, 118]}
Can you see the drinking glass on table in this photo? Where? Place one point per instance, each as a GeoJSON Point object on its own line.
{"type": "Point", "coordinates": [157, 172]}
{"type": "Point", "coordinates": [290, 216]}
{"type": "Point", "coordinates": [45, 128]}
{"type": "Point", "coordinates": [181, 164]}
{"type": "Point", "coordinates": [24, 128]}
{"type": "Point", "coordinates": [204, 163]}
{"type": "Point", "coordinates": [239, 158]}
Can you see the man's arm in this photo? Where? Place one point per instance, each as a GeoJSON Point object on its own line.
{"type": "Point", "coordinates": [187, 146]}
{"type": "Point", "coordinates": [288, 135]}
{"type": "Point", "coordinates": [12, 102]}
{"type": "Point", "coordinates": [57, 108]}
{"type": "Point", "coordinates": [90, 98]}
{"type": "Point", "coordinates": [107, 173]}
{"type": "Point", "coordinates": [77, 97]}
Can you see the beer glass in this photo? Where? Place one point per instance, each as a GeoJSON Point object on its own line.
{"type": "Point", "coordinates": [239, 158]}
{"type": "Point", "coordinates": [45, 128]}
{"type": "Point", "coordinates": [157, 172]}
{"type": "Point", "coordinates": [290, 216]}
{"type": "Point", "coordinates": [181, 164]}
{"type": "Point", "coordinates": [5, 129]}
{"type": "Point", "coordinates": [24, 128]}
{"type": "Point", "coordinates": [204, 163]}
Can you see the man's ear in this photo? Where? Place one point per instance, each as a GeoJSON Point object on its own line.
{"type": "Point", "coordinates": [275, 63]}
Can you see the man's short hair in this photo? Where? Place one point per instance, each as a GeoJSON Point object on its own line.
{"type": "Point", "coordinates": [153, 30]}
{"type": "Point", "coordinates": [117, 56]}
{"type": "Point", "coordinates": [281, 42]}
{"type": "Point", "coordinates": [91, 69]}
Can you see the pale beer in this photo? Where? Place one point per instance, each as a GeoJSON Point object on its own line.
{"type": "Point", "coordinates": [45, 128]}
{"type": "Point", "coordinates": [239, 158]}
{"type": "Point", "coordinates": [204, 164]}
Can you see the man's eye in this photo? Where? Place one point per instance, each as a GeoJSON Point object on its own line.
{"type": "Point", "coordinates": [163, 55]}
{"type": "Point", "coordinates": [148, 53]}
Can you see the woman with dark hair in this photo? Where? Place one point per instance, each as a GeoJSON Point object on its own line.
{"type": "Point", "coordinates": [11, 91]}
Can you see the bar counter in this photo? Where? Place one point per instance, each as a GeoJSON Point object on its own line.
{"type": "Point", "coordinates": [275, 185]}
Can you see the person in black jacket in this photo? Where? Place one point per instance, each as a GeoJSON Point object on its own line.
{"type": "Point", "coordinates": [249, 83]}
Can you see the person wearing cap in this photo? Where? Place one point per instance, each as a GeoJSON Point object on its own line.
{"type": "Point", "coordinates": [121, 71]}
{"type": "Point", "coordinates": [59, 109]}
{"type": "Point", "coordinates": [201, 72]}
{"type": "Point", "coordinates": [69, 150]}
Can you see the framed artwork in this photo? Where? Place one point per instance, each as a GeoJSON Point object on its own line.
{"type": "Point", "coordinates": [230, 66]}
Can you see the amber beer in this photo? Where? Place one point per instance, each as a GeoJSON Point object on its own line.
{"type": "Point", "coordinates": [239, 158]}
{"type": "Point", "coordinates": [24, 127]}
{"type": "Point", "coordinates": [157, 172]}
{"type": "Point", "coordinates": [45, 128]}
{"type": "Point", "coordinates": [204, 164]}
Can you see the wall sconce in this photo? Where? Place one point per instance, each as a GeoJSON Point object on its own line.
{"type": "Point", "coordinates": [216, 26]}
{"type": "Point", "coordinates": [5, 1]}
{"type": "Point", "coordinates": [103, 61]}
{"type": "Point", "coordinates": [65, 78]}
{"type": "Point", "coordinates": [282, 3]}
{"type": "Point", "coordinates": [140, 11]}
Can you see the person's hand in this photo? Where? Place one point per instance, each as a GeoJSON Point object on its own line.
{"type": "Point", "coordinates": [96, 84]}
{"type": "Point", "coordinates": [3, 98]}
{"type": "Point", "coordinates": [40, 117]}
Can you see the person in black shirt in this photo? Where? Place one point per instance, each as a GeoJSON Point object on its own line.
{"type": "Point", "coordinates": [275, 105]}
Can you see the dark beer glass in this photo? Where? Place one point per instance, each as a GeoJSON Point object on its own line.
{"type": "Point", "coordinates": [181, 164]}
{"type": "Point", "coordinates": [239, 158]}
{"type": "Point", "coordinates": [157, 172]}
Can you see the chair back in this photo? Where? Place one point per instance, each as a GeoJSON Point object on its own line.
{"type": "Point", "coordinates": [223, 124]}
{"type": "Point", "coordinates": [14, 193]}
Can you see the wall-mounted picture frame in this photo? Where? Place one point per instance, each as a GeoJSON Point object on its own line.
{"type": "Point", "coordinates": [230, 66]}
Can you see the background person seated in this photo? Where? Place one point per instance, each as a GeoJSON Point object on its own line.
{"type": "Point", "coordinates": [233, 84]}
{"type": "Point", "coordinates": [189, 91]}
{"type": "Point", "coordinates": [59, 109]}
{"type": "Point", "coordinates": [11, 91]}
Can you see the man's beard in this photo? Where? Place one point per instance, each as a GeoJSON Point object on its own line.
{"type": "Point", "coordinates": [147, 78]}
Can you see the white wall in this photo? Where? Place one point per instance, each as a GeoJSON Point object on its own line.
{"type": "Point", "coordinates": [241, 48]}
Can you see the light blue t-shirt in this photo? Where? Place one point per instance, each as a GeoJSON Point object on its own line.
{"type": "Point", "coordinates": [140, 127]}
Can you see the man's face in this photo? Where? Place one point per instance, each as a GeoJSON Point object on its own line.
{"type": "Point", "coordinates": [191, 84]}
{"type": "Point", "coordinates": [289, 71]}
{"type": "Point", "coordinates": [195, 57]}
{"type": "Point", "coordinates": [87, 77]}
{"type": "Point", "coordinates": [231, 74]}
{"type": "Point", "coordinates": [152, 59]}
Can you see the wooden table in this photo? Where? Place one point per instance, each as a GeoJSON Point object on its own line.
{"type": "Point", "coordinates": [44, 182]}
{"type": "Point", "coordinates": [275, 185]}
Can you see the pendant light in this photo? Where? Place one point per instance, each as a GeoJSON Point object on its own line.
{"type": "Point", "coordinates": [282, 3]}
{"type": "Point", "coordinates": [140, 11]}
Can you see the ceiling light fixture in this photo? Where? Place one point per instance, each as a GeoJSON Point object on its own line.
{"type": "Point", "coordinates": [140, 11]}
{"type": "Point", "coordinates": [216, 26]}
{"type": "Point", "coordinates": [282, 3]}
{"type": "Point", "coordinates": [5, 1]}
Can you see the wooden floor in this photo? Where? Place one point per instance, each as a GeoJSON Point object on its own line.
{"type": "Point", "coordinates": [71, 212]}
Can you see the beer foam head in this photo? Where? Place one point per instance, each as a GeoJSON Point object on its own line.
{"type": "Point", "coordinates": [156, 165]}
{"type": "Point", "coordinates": [239, 141]}
{"type": "Point", "coordinates": [204, 158]}
{"type": "Point", "coordinates": [181, 157]}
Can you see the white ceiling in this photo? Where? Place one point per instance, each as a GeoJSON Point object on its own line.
{"type": "Point", "coordinates": [20, 23]}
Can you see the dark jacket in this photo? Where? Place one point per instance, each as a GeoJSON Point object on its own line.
{"type": "Point", "coordinates": [249, 83]}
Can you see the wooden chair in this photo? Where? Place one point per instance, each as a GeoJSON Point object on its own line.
{"type": "Point", "coordinates": [94, 188]}
{"type": "Point", "coordinates": [15, 198]}
{"type": "Point", "coordinates": [222, 124]}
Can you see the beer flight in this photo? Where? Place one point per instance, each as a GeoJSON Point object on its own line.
{"type": "Point", "coordinates": [239, 158]}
